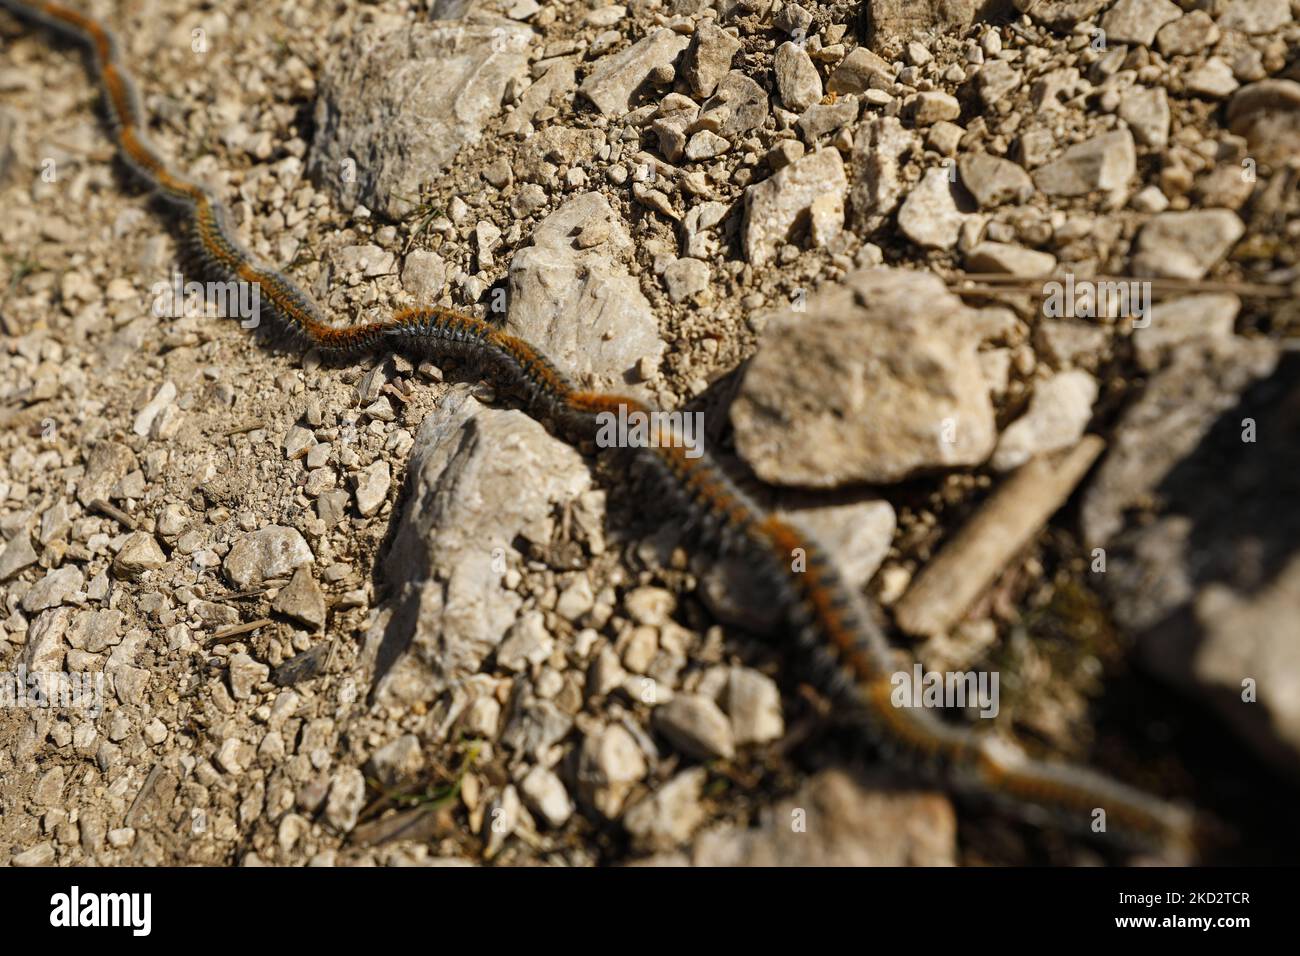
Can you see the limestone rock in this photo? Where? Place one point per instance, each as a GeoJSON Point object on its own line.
{"type": "Point", "coordinates": [614, 78]}
{"type": "Point", "coordinates": [424, 274]}
{"type": "Point", "coordinates": [1137, 21]}
{"type": "Point", "coordinates": [399, 100]}
{"type": "Point", "coordinates": [372, 484]}
{"type": "Point", "coordinates": [271, 552]}
{"type": "Point", "coordinates": [934, 212]}
{"type": "Point", "coordinates": [1146, 110]}
{"type": "Point", "coordinates": [481, 480]}
{"type": "Point", "coordinates": [245, 675]}
{"type": "Point", "coordinates": [346, 798]}
{"type": "Point", "coordinates": [1176, 321]}
{"type": "Point", "coordinates": [696, 726]}
{"type": "Point", "coordinates": [709, 57]}
{"type": "Point", "coordinates": [737, 106]}
{"type": "Point", "coordinates": [1058, 413]}
{"type": "Point", "coordinates": [108, 463]}
{"type": "Point", "coordinates": [904, 18]}
{"type": "Point", "coordinates": [998, 80]}
{"type": "Point", "coordinates": [398, 761]}
{"type": "Point", "coordinates": [139, 553]}
{"type": "Point", "coordinates": [1186, 245]}
{"type": "Point", "coordinates": [822, 119]}
{"type": "Point", "coordinates": [1105, 162]}
{"type": "Point", "coordinates": [932, 106]}
{"type": "Point", "coordinates": [844, 823]}
{"type": "Point", "coordinates": [302, 600]}
{"type": "Point", "coordinates": [900, 386]}
{"type": "Point", "coordinates": [545, 796]}
{"type": "Point", "coordinates": [776, 208]}
{"type": "Point", "coordinates": [1212, 79]}
{"type": "Point", "coordinates": [1190, 33]}
{"type": "Point", "coordinates": [46, 648]}
{"type": "Point", "coordinates": [880, 152]}
{"type": "Point", "coordinates": [609, 764]}
{"type": "Point", "coordinates": [1061, 14]}
{"type": "Point", "coordinates": [860, 71]}
{"type": "Point", "coordinates": [994, 181]}
{"type": "Point", "coordinates": [577, 302]}
{"type": "Point", "coordinates": [797, 79]}
{"type": "Point", "coordinates": [1256, 16]}
{"type": "Point", "coordinates": [59, 586]}
{"type": "Point", "coordinates": [1015, 260]}
{"type": "Point", "coordinates": [754, 707]}
{"type": "Point", "coordinates": [685, 278]}
{"type": "Point", "coordinates": [1248, 636]}
{"type": "Point", "coordinates": [669, 816]}
{"type": "Point", "coordinates": [556, 83]}
{"type": "Point", "coordinates": [17, 554]}
{"type": "Point", "coordinates": [1268, 115]}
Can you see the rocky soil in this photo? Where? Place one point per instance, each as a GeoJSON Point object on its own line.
{"type": "Point", "coordinates": [375, 615]}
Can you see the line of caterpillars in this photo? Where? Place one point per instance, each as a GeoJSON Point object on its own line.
{"type": "Point", "coordinates": [847, 655]}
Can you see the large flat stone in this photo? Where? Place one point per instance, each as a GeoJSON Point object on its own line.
{"type": "Point", "coordinates": [399, 100]}
{"type": "Point", "coordinates": [878, 379]}
{"type": "Point", "coordinates": [779, 208]}
{"type": "Point", "coordinates": [572, 296]}
{"type": "Point", "coordinates": [480, 481]}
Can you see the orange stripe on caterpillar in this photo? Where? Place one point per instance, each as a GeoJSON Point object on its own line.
{"type": "Point", "coordinates": [535, 365]}
{"type": "Point", "coordinates": [924, 735]}
{"type": "Point", "coordinates": [787, 543]}
{"type": "Point", "coordinates": [1131, 814]}
{"type": "Point", "coordinates": [119, 100]}
{"type": "Point", "coordinates": [596, 402]}
{"type": "Point", "coordinates": [138, 153]}
{"type": "Point", "coordinates": [700, 476]}
{"type": "Point", "coordinates": [174, 185]}
{"type": "Point", "coordinates": [100, 40]}
{"type": "Point", "coordinates": [347, 339]}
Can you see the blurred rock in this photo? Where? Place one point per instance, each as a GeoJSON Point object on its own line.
{"type": "Point", "coordinates": [884, 410]}
{"type": "Point", "coordinates": [1058, 413]}
{"type": "Point", "coordinates": [1103, 163]}
{"type": "Point", "coordinates": [1186, 245]}
{"type": "Point", "coordinates": [835, 820]}
{"type": "Point", "coordinates": [1208, 581]}
{"type": "Point", "coordinates": [667, 818]}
